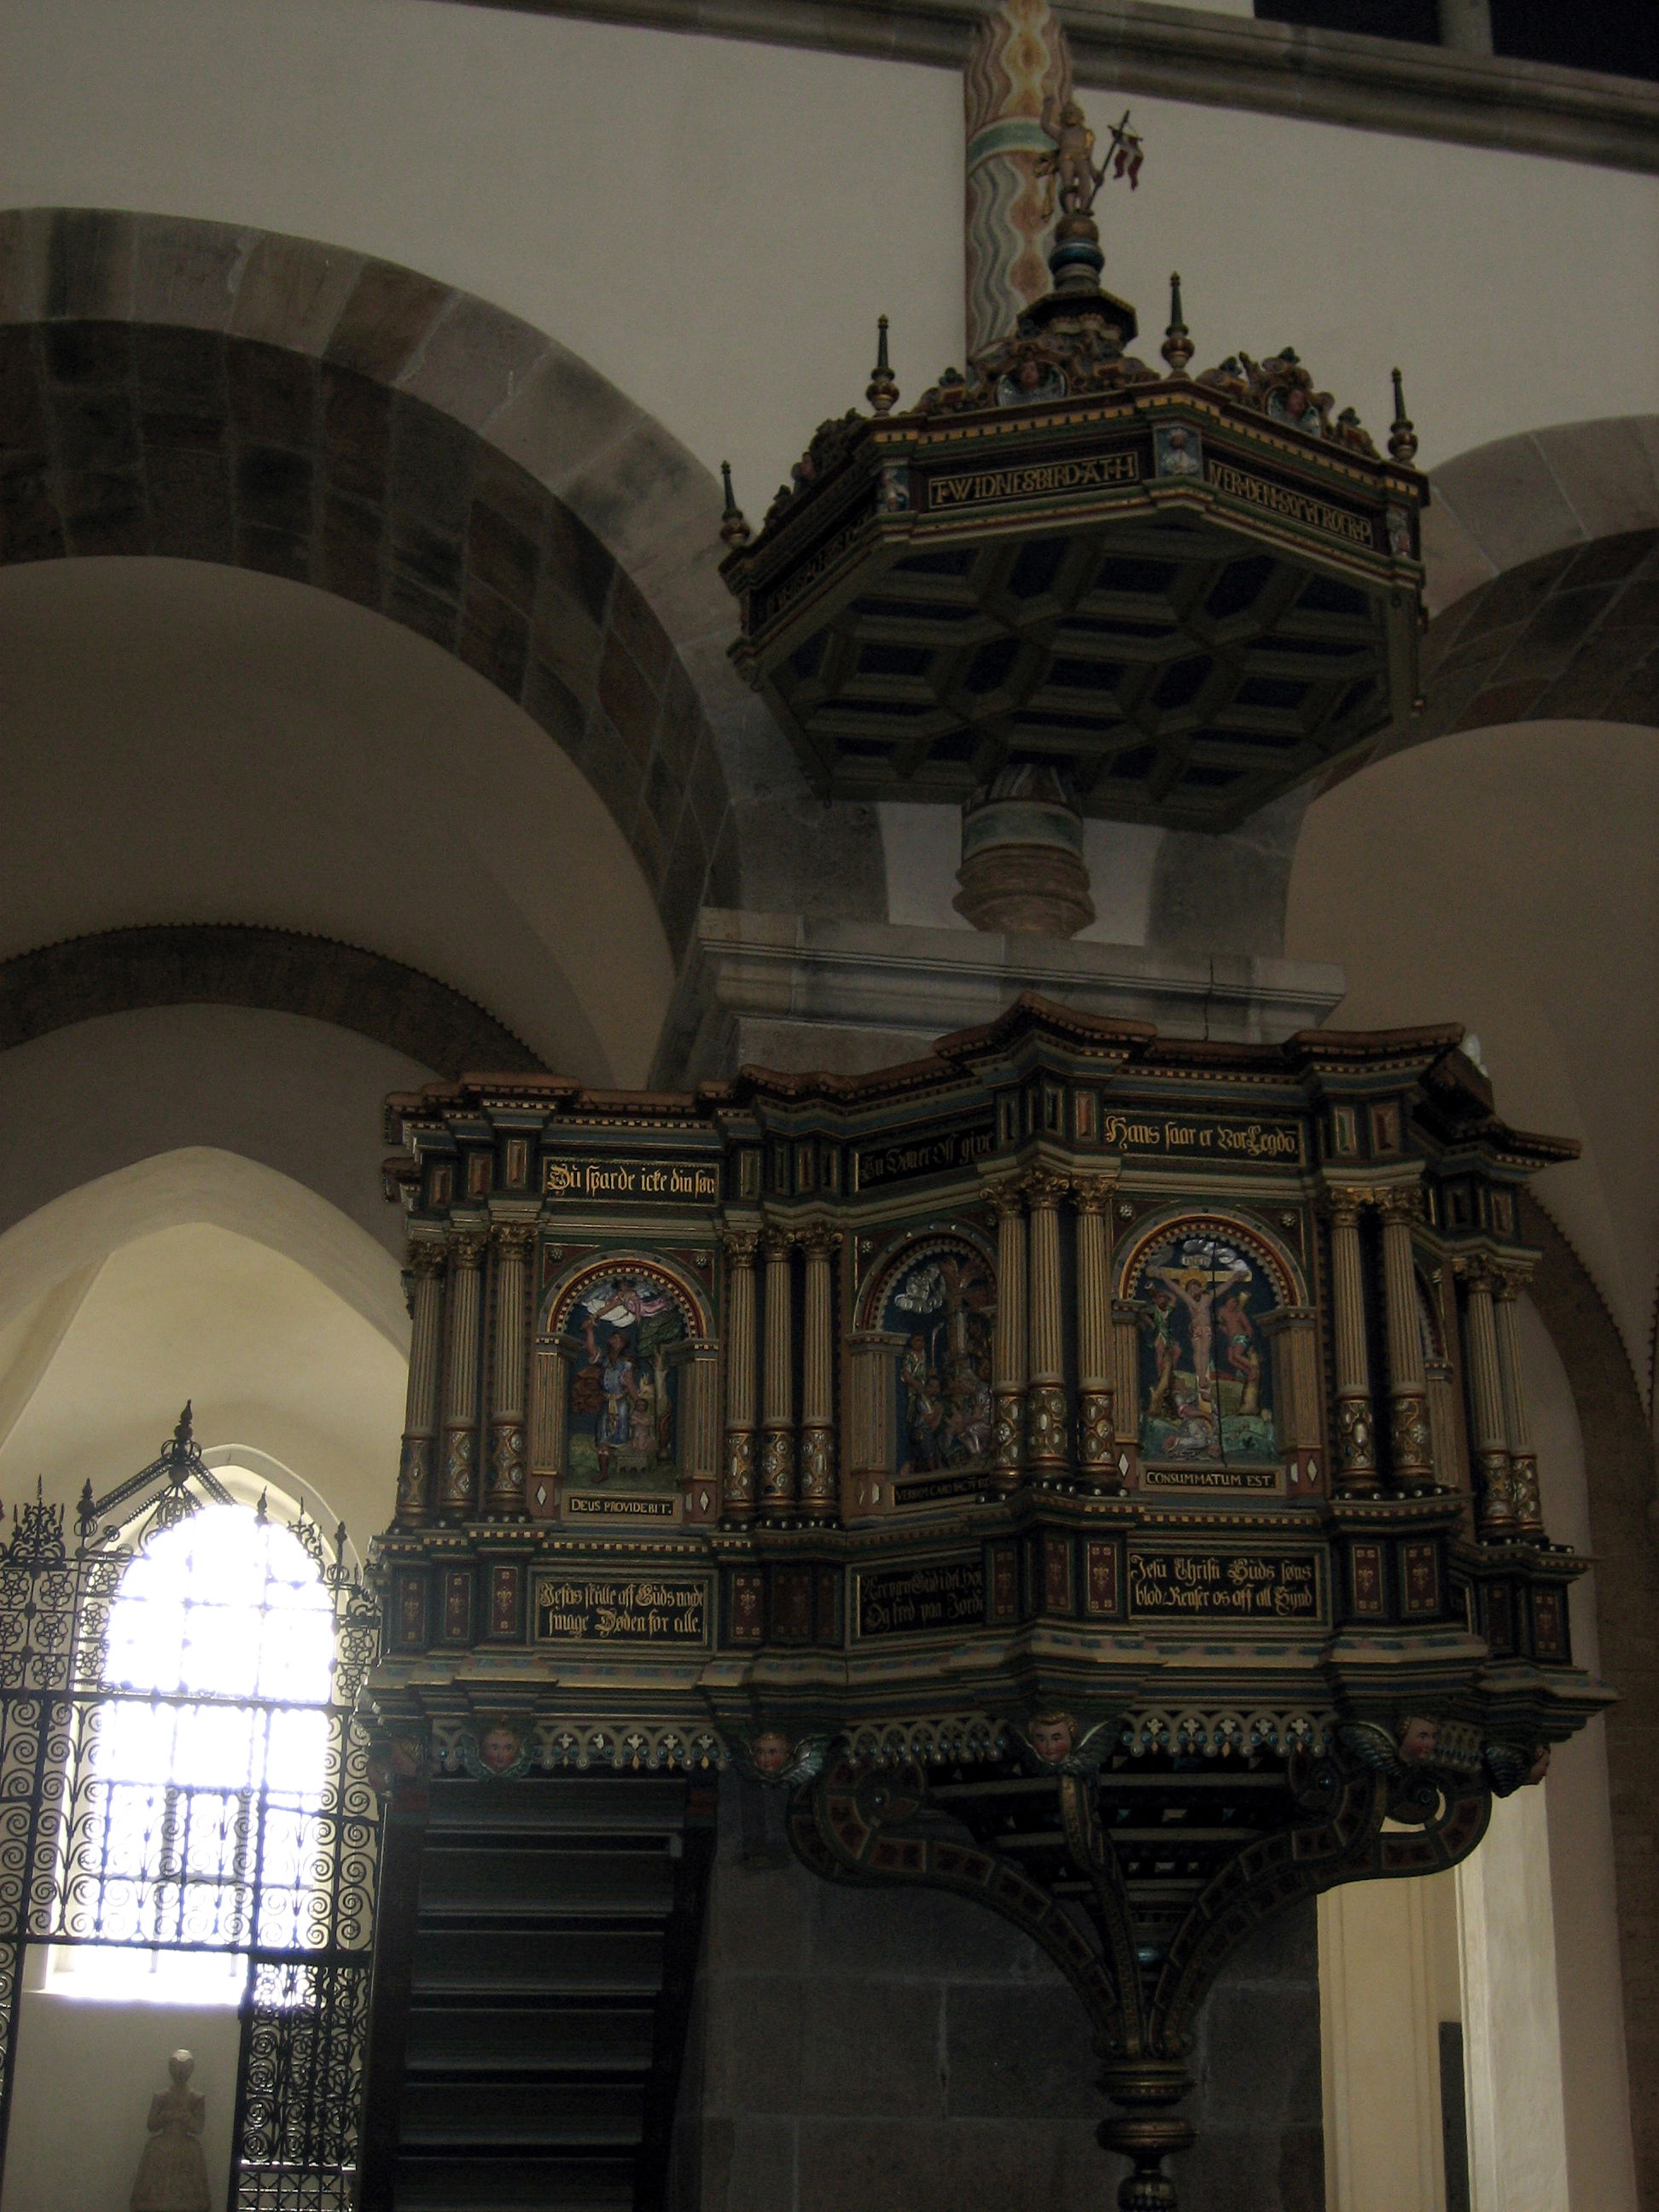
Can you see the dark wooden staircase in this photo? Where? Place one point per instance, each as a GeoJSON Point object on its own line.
{"type": "Point", "coordinates": [534, 1957]}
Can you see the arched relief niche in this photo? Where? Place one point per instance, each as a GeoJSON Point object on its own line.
{"type": "Point", "coordinates": [623, 1398]}
{"type": "Point", "coordinates": [225, 394]}
{"type": "Point", "coordinates": [920, 1366]}
{"type": "Point", "coordinates": [1218, 1351]}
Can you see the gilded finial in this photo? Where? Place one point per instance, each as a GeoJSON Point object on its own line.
{"type": "Point", "coordinates": [1402, 438]}
{"type": "Point", "coordinates": [734, 526]}
{"type": "Point", "coordinates": [1177, 347]}
{"type": "Point", "coordinates": [883, 391]}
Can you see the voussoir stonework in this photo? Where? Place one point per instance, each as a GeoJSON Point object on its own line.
{"type": "Point", "coordinates": [210, 393]}
{"type": "Point", "coordinates": [117, 971]}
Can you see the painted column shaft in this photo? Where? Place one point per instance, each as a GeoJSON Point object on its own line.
{"type": "Point", "coordinates": [817, 1409]}
{"type": "Point", "coordinates": [421, 1415]}
{"type": "Point", "coordinates": [1047, 1441]}
{"type": "Point", "coordinates": [1016, 60]}
{"type": "Point", "coordinates": [1094, 1336]}
{"type": "Point", "coordinates": [1356, 1443]}
{"type": "Point", "coordinates": [1414, 1456]}
{"type": "Point", "coordinates": [505, 1496]}
{"type": "Point", "coordinates": [1008, 1353]}
{"type": "Point", "coordinates": [1517, 1429]}
{"type": "Point", "coordinates": [777, 1482]}
{"type": "Point", "coordinates": [1496, 1510]}
{"type": "Point", "coordinates": [739, 1503]}
{"type": "Point", "coordinates": [460, 1475]}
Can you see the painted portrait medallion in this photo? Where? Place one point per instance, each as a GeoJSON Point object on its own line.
{"type": "Point", "coordinates": [621, 1404]}
{"type": "Point", "coordinates": [1205, 1379]}
{"type": "Point", "coordinates": [942, 1301]}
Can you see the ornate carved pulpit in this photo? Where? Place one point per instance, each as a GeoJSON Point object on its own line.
{"type": "Point", "coordinates": [1089, 1472]}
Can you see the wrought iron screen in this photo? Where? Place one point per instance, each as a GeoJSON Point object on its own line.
{"type": "Point", "coordinates": [184, 1789]}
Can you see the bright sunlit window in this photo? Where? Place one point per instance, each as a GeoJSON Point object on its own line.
{"type": "Point", "coordinates": [205, 1775]}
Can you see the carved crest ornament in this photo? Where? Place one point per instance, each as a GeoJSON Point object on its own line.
{"type": "Point", "coordinates": [1184, 594]}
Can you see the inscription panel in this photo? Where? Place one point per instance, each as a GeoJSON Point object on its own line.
{"type": "Point", "coordinates": [934, 1152]}
{"type": "Point", "coordinates": [1144, 1132]}
{"type": "Point", "coordinates": [656, 1183]}
{"type": "Point", "coordinates": [1267, 1588]}
{"type": "Point", "coordinates": [920, 1601]}
{"type": "Point", "coordinates": [607, 1609]}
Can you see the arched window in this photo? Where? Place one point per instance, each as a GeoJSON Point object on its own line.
{"type": "Point", "coordinates": [197, 1838]}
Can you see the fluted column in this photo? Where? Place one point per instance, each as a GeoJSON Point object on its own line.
{"type": "Point", "coordinates": [1048, 1439]}
{"type": "Point", "coordinates": [1096, 1446]}
{"type": "Point", "coordinates": [1292, 1331]}
{"type": "Point", "coordinates": [415, 1469]}
{"type": "Point", "coordinates": [817, 1404]}
{"type": "Point", "coordinates": [777, 1470]}
{"type": "Point", "coordinates": [737, 1502]}
{"type": "Point", "coordinates": [1008, 1378]}
{"type": "Point", "coordinates": [701, 1427]}
{"type": "Point", "coordinates": [1496, 1509]}
{"type": "Point", "coordinates": [505, 1498]}
{"type": "Point", "coordinates": [459, 1493]}
{"type": "Point", "coordinates": [1125, 1390]}
{"type": "Point", "coordinates": [1356, 1441]}
{"type": "Point", "coordinates": [1412, 1448]}
{"type": "Point", "coordinates": [1518, 1427]}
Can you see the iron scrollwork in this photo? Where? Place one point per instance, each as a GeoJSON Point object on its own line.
{"type": "Point", "coordinates": [291, 1895]}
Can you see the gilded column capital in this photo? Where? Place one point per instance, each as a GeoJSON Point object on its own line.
{"type": "Point", "coordinates": [820, 1240]}
{"type": "Point", "coordinates": [1007, 1198]}
{"type": "Point", "coordinates": [1510, 1278]}
{"type": "Point", "coordinates": [1343, 1205]}
{"type": "Point", "coordinates": [740, 1246]}
{"type": "Point", "coordinates": [777, 1241]}
{"type": "Point", "coordinates": [1476, 1271]}
{"type": "Point", "coordinates": [1092, 1193]}
{"type": "Point", "coordinates": [1400, 1201]}
{"type": "Point", "coordinates": [428, 1257]}
{"type": "Point", "coordinates": [513, 1239]}
{"type": "Point", "coordinates": [1044, 1187]}
{"type": "Point", "coordinates": [467, 1251]}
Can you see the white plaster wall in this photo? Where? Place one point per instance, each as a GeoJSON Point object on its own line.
{"type": "Point", "coordinates": [1508, 879]}
{"type": "Point", "coordinates": [715, 225]}
{"type": "Point", "coordinates": [86, 2073]}
{"type": "Point", "coordinates": [234, 747]}
{"type": "Point", "coordinates": [300, 1098]}
{"type": "Point", "coordinates": [271, 1356]}
{"type": "Point", "coordinates": [1583, 1889]}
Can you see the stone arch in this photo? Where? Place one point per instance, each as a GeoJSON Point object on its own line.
{"type": "Point", "coordinates": [1543, 561]}
{"type": "Point", "coordinates": [203, 1183]}
{"type": "Point", "coordinates": [1618, 1466]}
{"type": "Point", "coordinates": [1542, 553]}
{"type": "Point", "coordinates": [227, 394]}
{"type": "Point", "coordinates": [240, 964]}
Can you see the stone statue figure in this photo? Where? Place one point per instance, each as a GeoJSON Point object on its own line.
{"type": "Point", "coordinates": [172, 2171]}
{"type": "Point", "coordinates": [1071, 166]}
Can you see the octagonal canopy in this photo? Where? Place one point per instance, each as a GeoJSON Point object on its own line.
{"type": "Point", "coordinates": [1188, 595]}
